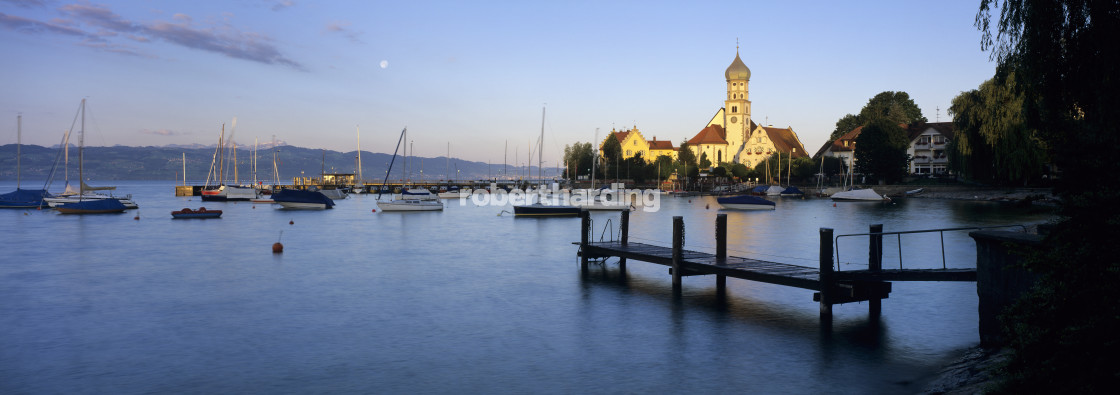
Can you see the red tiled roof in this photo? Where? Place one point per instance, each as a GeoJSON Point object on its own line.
{"type": "Point", "coordinates": [660, 145]}
{"type": "Point", "coordinates": [785, 141]}
{"type": "Point", "coordinates": [621, 136]}
{"type": "Point", "coordinates": [945, 128]}
{"type": "Point", "coordinates": [714, 134]}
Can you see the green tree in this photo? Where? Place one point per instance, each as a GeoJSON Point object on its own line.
{"type": "Point", "coordinates": [740, 171]}
{"type": "Point", "coordinates": [577, 159]}
{"type": "Point", "coordinates": [881, 150]}
{"type": "Point", "coordinates": [704, 162]}
{"type": "Point", "coordinates": [686, 160]}
{"type": "Point", "coordinates": [1064, 58]}
{"type": "Point", "coordinates": [895, 106]}
{"type": "Point", "coordinates": [845, 125]}
{"type": "Point", "coordinates": [612, 158]}
{"type": "Point", "coordinates": [993, 143]}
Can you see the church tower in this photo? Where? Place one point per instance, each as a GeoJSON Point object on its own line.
{"type": "Point", "coordinates": [737, 106]}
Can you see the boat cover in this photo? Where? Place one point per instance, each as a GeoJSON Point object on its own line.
{"type": "Point", "coordinates": [760, 190]}
{"type": "Point", "coordinates": [24, 198]}
{"type": "Point", "coordinates": [94, 205]}
{"type": "Point", "coordinates": [300, 196]}
{"type": "Point", "coordinates": [744, 199]}
{"type": "Point", "coordinates": [792, 191]}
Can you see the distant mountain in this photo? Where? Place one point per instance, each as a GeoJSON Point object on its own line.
{"type": "Point", "coordinates": [166, 163]}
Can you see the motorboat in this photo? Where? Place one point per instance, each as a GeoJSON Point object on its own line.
{"type": "Point", "coordinates": [202, 212]}
{"type": "Point", "coordinates": [792, 191]}
{"type": "Point", "coordinates": [745, 202]}
{"type": "Point", "coordinates": [411, 205]}
{"type": "Point", "coordinates": [97, 206]}
{"type": "Point", "coordinates": [543, 210]}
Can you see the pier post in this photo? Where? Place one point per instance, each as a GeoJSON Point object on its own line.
{"type": "Point", "coordinates": [721, 250]}
{"type": "Point", "coordinates": [875, 264]}
{"type": "Point", "coordinates": [584, 230]}
{"type": "Point", "coordinates": [826, 280]}
{"type": "Point", "coordinates": [624, 237]}
{"type": "Point", "coordinates": [678, 246]}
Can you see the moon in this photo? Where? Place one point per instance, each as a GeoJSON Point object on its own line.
{"type": "Point", "coordinates": [384, 64]}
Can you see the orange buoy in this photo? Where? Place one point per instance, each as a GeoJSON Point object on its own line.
{"type": "Point", "coordinates": [834, 205]}
{"type": "Point", "coordinates": [277, 248]}
{"type": "Point", "coordinates": [373, 211]}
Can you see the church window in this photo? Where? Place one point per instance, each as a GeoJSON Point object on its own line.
{"type": "Point", "coordinates": [734, 109]}
{"type": "Point", "coordinates": [719, 156]}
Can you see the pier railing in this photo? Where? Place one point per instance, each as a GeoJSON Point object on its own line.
{"type": "Point", "coordinates": [876, 243]}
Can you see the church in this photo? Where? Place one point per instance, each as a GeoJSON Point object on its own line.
{"type": "Point", "coordinates": [731, 135]}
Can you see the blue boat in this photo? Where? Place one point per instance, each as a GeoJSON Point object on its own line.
{"type": "Point", "coordinates": [299, 199]}
{"type": "Point", "coordinates": [24, 198]}
{"type": "Point", "coordinates": [745, 202]}
{"type": "Point", "coordinates": [95, 206]}
{"type": "Point", "coordinates": [792, 191]}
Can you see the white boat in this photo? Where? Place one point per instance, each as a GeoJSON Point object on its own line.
{"type": "Point", "coordinates": [228, 193]}
{"type": "Point", "coordinates": [416, 199]}
{"type": "Point", "coordinates": [334, 193]}
{"type": "Point", "coordinates": [859, 195]}
{"type": "Point", "coordinates": [411, 205]}
{"type": "Point", "coordinates": [455, 194]}
{"type": "Point", "coordinates": [60, 200]}
{"type": "Point", "coordinates": [539, 209]}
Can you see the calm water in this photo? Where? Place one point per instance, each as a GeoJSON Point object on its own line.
{"type": "Point", "coordinates": [459, 301]}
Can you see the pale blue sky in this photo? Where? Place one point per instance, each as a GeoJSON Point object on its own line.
{"type": "Point", "coordinates": [474, 74]}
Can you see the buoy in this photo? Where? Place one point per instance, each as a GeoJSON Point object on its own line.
{"type": "Point", "coordinates": [277, 247]}
{"type": "Point", "coordinates": [707, 206]}
{"type": "Point", "coordinates": [290, 222]}
{"type": "Point", "coordinates": [373, 211]}
{"type": "Point", "coordinates": [25, 213]}
{"type": "Point", "coordinates": [690, 200]}
{"type": "Point", "coordinates": [254, 207]}
{"type": "Point", "coordinates": [834, 205]}
{"type": "Point", "coordinates": [137, 217]}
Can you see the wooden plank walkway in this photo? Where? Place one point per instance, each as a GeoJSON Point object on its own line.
{"type": "Point", "coordinates": [832, 286]}
{"type": "Point", "coordinates": [694, 263]}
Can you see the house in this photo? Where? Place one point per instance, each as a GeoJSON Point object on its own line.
{"type": "Point", "coordinates": [927, 150]}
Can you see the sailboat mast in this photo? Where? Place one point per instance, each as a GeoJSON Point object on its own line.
{"type": "Point", "coordinates": [222, 156]}
{"type": "Point", "coordinates": [540, 149]}
{"type": "Point", "coordinates": [19, 144]}
{"type": "Point", "coordinates": [236, 180]}
{"type": "Point", "coordinates": [447, 167]}
{"type": "Point", "coordinates": [255, 142]}
{"type": "Point", "coordinates": [275, 169]}
{"type": "Point", "coordinates": [359, 131]}
{"type": "Point", "coordinates": [184, 169]}
{"type": "Point", "coordinates": [81, 157]}
{"type": "Point", "coordinates": [594, 159]}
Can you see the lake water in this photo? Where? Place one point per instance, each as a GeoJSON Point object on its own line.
{"type": "Point", "coordinates": [461, 301]}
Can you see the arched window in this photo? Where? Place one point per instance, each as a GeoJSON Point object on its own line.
{"type": "Point", "coordinates": [719, 156]}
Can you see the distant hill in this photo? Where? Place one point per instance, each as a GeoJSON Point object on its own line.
{"type": "Point", "coordinates": [166, 163]}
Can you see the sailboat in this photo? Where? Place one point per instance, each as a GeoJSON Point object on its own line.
{"type": "Point", "coordinates": [452, 191]}
{"type": "Point", "coordinates": [84, 205]}
{"type": "Point", "coordinates": [22, 198]}
{"type": "Point", "coordinates": [539, 209]}
{"type": "Point", "coordinates": [417, 199]}
{"type": "Point", "coordinates": [223, 192]}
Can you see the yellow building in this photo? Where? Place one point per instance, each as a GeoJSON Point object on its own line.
{"type": "Point", "coordinates": [729, 136]}
{"type": "Point", "coordinates": [634, 143]}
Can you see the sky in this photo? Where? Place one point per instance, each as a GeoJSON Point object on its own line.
{"type": "Point", "coordinates": [466, 77]}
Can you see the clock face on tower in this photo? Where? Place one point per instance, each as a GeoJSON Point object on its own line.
{"type": "Point", "coordinates": [734, 119]}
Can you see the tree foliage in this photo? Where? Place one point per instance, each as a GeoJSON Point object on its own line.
{"type": "Point", "coordinates": [577, 160]}
{"type": "Point", "coordinates": [993, 143]}
{"type": "Point", "coordinates": [704, 162]}
{"type": "Point", "coordinates": [894, 106]}
{"type": "Point", "coordinates": [686, 161]}
{"type": "Point", "coordinates": [881, 150]}
{"type": "Point", "coordinates": [1064, 58]}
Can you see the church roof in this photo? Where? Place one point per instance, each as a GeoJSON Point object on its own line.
{"type": "Point", "coordinates": [714, 134]}
{"type": "Point", "coordinates": [737, 70]}
{"type": "Point", "coordinates": [785, 140]}
{"type": "Point", "coordinates": [621, 136]}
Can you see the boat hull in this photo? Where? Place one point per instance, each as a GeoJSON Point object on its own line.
{"type": "Point", "coordinates": [101, 206]}
{"type": "Point", "coordinates": [745, 202]}
{"type": "Point", "coordinates": [418, 205]}
{"type": "Point", "coordinates": [540, 210]}
{"type": "Point", "coordinates": [303, 206]}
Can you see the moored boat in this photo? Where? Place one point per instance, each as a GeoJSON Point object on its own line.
{"type": "Point", "coordinates": [859, 195]}
{"type": "Point", "coordinates": [543, 210]}
{"type": "Point", "coordinates": [299, 199]}
{"type": "Point", "coordinates": [202, 212]}
{"type": "Point", "coordinates": [792, 191]}
{"type": "Point", "coordinates": [97, 206]}
{"type": "Point", "coordinates": [745, 202]}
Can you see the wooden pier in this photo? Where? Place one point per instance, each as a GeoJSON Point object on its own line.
{"type": "Point", "coordinates": [832, 286]}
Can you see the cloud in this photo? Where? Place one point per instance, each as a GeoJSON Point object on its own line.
{"type": "Point", "coordinates": [162, 132]}
{"type": "Point", "coordinates": [95, 24]}
{"type": "Point", "coordinates": [282, 4]}
{"type": "Point", "coordinates": [343, 28]}
{"type": "Point", "coordinates": [26, 3]}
